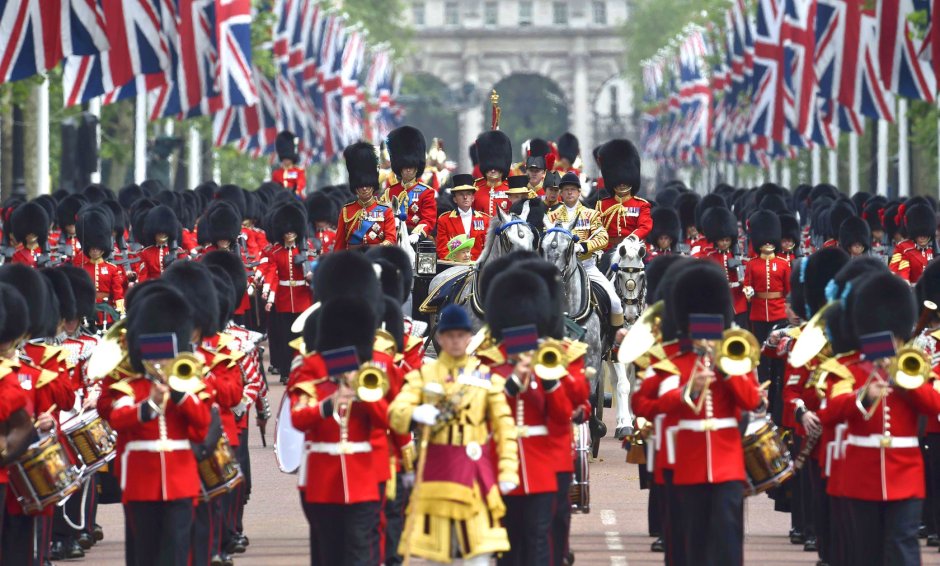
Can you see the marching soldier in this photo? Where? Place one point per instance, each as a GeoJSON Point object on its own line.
{"type": "Point", "coordinates": [459, 406]}
{"type": "Point", "coordinates": [494, 151]}
{"type": "Point", "coordinates": [364, 222]}
{"type": "Point", "coordinates": [290, 175]}
{"type": "Point", "coordinates": [161, 230]}
{"type": "Point", "coordinates": [664, 237]}
{"type": "Point", "coordinates": [463, 220]}
{"type": "Point", "coordinates": [720, 228]}
{"type": "Point", "coordinates": [790, 236]}
{"type": "Point", "coordinates": [30, 226]}
{"type": "Point", "coordinates": [766, 277]}
{"type": "Point", "coordinates": [66, 213]}
{"type": "Point", "coordinates": [921, 224]}
{"type": "Point", "coordinates": [855, 236]}
{"type": "Point", "coordinates": [93, 228]}
{"type": "Point", "coordinates": [623, 214]}
{"type": "Point", "coordinates": [416, 200]}
{"type": "Point", "coordinates": [592, 238]}
{"type": "Point", "coordinates": [897, 235]}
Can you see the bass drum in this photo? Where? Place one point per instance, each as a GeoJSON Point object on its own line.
{"type": "Point", "coordinates": [766, 457]}
{"type": "Point", "coordinates": [288, 441]}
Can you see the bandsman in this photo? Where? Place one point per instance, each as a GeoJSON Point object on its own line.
{"type": "Point", "coordinates": [921, 224]}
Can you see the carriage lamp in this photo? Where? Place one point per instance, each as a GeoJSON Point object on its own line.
{"type": "Point", "coordinates": [426, 258]}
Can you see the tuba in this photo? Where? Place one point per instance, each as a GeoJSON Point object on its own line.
{"type": "Point", "coordinates": [551, 362]}
{"type": "Point", "coordinates": [370, 383]}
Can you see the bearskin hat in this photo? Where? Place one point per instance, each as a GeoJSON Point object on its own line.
{"type": "Point", "coordinates": [93, 229]}
{"type": "Point", "coordinates": [406, 148]}
{"type": "Point", "coordinates": [665, 223]}
{"type": "Point", "coordinates": [790, 229]}
{"type": "Point", "coordinates": [63, 291]}
{"type": "Point", "coordinates": [160, 219]}
{"type": "Point", "coordinates": [31, 286]}
{"type": "Point", "coordinates": [514, 299]}
{"type": "Point", "coordinates": [872, 214]}
{"type": "Point", "coordinates": [48, 204]}
{"type": "Point", "coordinates": [620, 165]}
{"type": "Point", "coordinates": [883, 302]}
{"type": "Point", "coordinates": [393, 322]}
{"type": "Point", "coordinates": [310, 330]}
{"type": "Point", "coordinates": [890, 221]}
{"type": "Point", "coordinates": [655, 270]}
{"type": "Point", "coordinates": [286, 146]}
{"type": "Point", "coordinates": [664, 289]}
{"type": "Point", "coordinates": [701, 288]}
{"type": "Point", "coordinates": [764, 228]}
{"type": "Point", "coordinates": [823, 190]}
{"type": "Point", "coordinates": [838, 213]}
{"type": "Point", "coordinates": [83, 288]}
{"type": "Point", "coordinates": [707, 202]}
{"type": "Point", "coordinates": [225, 293]}
{"type": "Point", "coordinates": [555, 328]}
{"type": "Point", "coordinates": [774, 203]}
{"type": "Point", "coordinates": [233, 267]}
{"type": "Point", "coordinates": [14, 314]}
{"type": "Point", "coordinates": [347, 321]}
{"type": "Point", "coordinates": [667, 196]}
{"type": "Point", "coordinates": [194, 281]}
{"type": "Point", "coordinates": [347, 274]}
{"type": "Point", "coordinates": [928, 286]}
{"type": "Point", "coordinates": [234, 195]}
{"type": "Point", "coordinates": [30, 218]}
{"type": "Point", "coordinates": [321, 208]}
{"type": "Point", "coordinates": [163, 310]}
{"type": "Point", "coordinates": [854, 230]}
{"type": "Point", "coordinates": [842, 334]}
{"type": "Point", "coordinates": [718, 223]}
{"type": "Point", "coordinates": [494, 151]}
{"type": "Point", "coordinates": [685, 206]}
{"type": "Point", "coordinates": [129, 194]}
{"type": "Point", "coordinates": [842, 337]}
{"type": "Point", "coordinates": [288, 217]}
{"type": "Point", "coordinates": [362, 165]}
{"type": "Point", "coordinates": [397, 272]}
{"type": "Point", "coordinates": [68, 209]}
{"type": "Point", "coordinates": [816, 272]}
{"type": "Point", "coordinates": [222, 222]}
{"type": "Point", "coordinates": [860, 199]}
{"type": "Point", "coordinates": [497, 266]}
{"type": "Point", "coordinates": [919, 220]}
{"type": "Point", "coordinates": [568, 146]}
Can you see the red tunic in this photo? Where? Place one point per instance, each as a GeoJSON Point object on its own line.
{"type": "Point", "coordinates": [894, 264]}
{"type": "Point", "coordinates": [623, 217]}
{"type": "Point", "coordinates": [737, 291]}
{"type": "Point", "coordinates": [294, 179]}
{"type": "Point", "coordinates": [450, 225]}
{"type": "Point", "coordinates": [419, 205]}
{"type": "Point", "coordinates": [768, 275]}
{"type": "Point", "coordinates": [110, 280]}
{"type": "Point", "coordinates": [369, 225]}
{"type": "Point", "coordinates": [286, 279]}
{"type": "Point", "coordinates": [12, 399]}
{"type": "Point", "coordinates": [226, 378]}
{"type": "Point", "coordinates": [913, 261]}
{"type": "Point", "coordinates": [157, 461]}
{"type": "Point", "coordinates": [338, 466]}
{"type": "Point", "coordinates": [488, 199]}
{"type": "Point", "coordinates": [661, 377]}
{"type": "Point", "coordinates": [151, 262]}
{"type": "Point", "coordinates": [26, 256]}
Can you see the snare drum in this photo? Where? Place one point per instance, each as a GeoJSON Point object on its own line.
{"type": "Point", "coordinates": [220, 472]}
{"type": "Point", "coordinates": [91, 439]}
{"type": "Point", "coordinates": [43, 475]}
{"type": "Point", "coordinates": [580, 492]}
{"type": "Point", "coordinates": [766, 457]}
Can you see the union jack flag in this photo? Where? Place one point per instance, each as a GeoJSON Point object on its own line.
{"type": "Point", "coordinates": [903, 71]}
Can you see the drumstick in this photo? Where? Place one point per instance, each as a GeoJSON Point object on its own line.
{"type": "Point", "coordinates": [765, 385]}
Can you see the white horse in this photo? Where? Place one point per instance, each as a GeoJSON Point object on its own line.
{"type": "Point", "coordinates": [629, 278]}
{"type": "Point", "coordinates": [507, 233]}
{"type": "Point", "coordinates": [401, 236]}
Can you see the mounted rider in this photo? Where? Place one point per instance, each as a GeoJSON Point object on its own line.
{"type": "Point", "coordinates": [624, 215]}
{"type": "Point", "coordinates": [416, 200]}
{"type": "Point", "coordinates": [592, 238]}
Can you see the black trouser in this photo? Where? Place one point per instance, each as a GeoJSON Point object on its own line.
{"type": "Point", "coordinates": [933, 478]}
{"type": "Point", "coordinates": [279, 338]}
{"type": "Point", "coordinates": [761, 331]}
{"type": "Point", "coordinates": [19, 541]}
{"type": "Point", "coordinates": [162, 531]}
{"type": "Point", "coordinates": [712, 520]}
{"type": "Point", "coordinates": [528, 521]}
{"type": "Point", "coordinates": [80, 509]}
{"type": "Point", "coordinates": [840, 531]}
{"type": "Point", "coordinates": [653, 510]}
{"type": "Point", "coordinates": [797, 514]}
{"type": "Point", "coordinates": [669, 517]}
{"type": "Point", "coordinates": [395, 522]}
{"type": "Point", "coordinates": [823, 536]}
{"type": "Point", "coordinates": [202, 535]}
{"type": "Point", "coordinates": [885, 533]}
{"type": "Point", "coordinates": [561, 517]}
{"type": "Point", "coordinates": [342, 535]}
{"type": "Point", "coordinates": [244, 489]}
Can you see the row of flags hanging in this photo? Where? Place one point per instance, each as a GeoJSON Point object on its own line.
{"type": "Point", "coordinates": [779, 76]}
{"type": "Point", "coordinates": [194, 58]}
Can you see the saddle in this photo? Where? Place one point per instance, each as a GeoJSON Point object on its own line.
{"type": "Point", "coordinates": [447, 291]}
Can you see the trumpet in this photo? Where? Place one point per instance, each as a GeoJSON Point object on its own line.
{"type": "Point", "coordinates": [370, 383]}
{"type": "Point", "coordinates": [739, 352]}
{"type": "Point", "coordinates": [184, 373]}
{"type": "Point", "coordinates": [910, 368]}
{"type": "Point", "coordinates": [551, 362]}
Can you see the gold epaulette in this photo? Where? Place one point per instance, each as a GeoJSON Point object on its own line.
{"type": "Point", "coordinates": [835, 367]}
{"type": "Point", "coordinates": [574, 349]}
{"type": "Point", "coordinates": [50, 352]}
{"type": "Point", "coordinates": [308, 388]}
{"type": "Point", "coordinates": [385, 343]}
{"type": "Point", "coordinates": [935, 334]}
{"type": "Point", "coordinates": [124, 387]}
{"type": "Point", "coordinates": [412, 342]}
{"type": "Point", "coordinates": [845, 385]}
{"type": "Point", "coordinates": [492, 353]}
{"type": "Point", "coordinates": [299, 345]}
{"type": "Point", "coordinates": [224, 340]}
{"type": "Point", "coordinates": [45, 378]}
{"type": "Point", "coordinates": [667, 366]}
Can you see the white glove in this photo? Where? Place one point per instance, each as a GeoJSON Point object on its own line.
{"type": "Point", "coordinates": [425, 414]}
{"type": "Point", "coordinates": [407, 480]}
{"type": "Point", "coordinates": [507, 486]}
{"type": "Point", "coordinates": [414, 238]}
{"type": "Point", "coordinates": [239, 409]}
{"type": "Point", "coordinates": [748, 292]}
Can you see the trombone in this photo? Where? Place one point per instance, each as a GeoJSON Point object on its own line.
{"type": "Point", "coordinates": [907, 370]}
{"type": "Point", "coordinates": [184, 373]}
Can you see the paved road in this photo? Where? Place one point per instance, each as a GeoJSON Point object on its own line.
{"type": "Point", "coordinates": [614, 533]}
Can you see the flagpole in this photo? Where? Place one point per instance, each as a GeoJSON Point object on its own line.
{"type": "Point", "coordinates": [816, 161]}
{"type": "Point", "coordinates": [882, 158]}
{"type": "Point", "coordinates": [94, 108]}
{"type": "Point", "coordinates": [834, 166]}
{"type": "Point", "coordinates": [42, 138]}
{"type": "Point", "coordinates": [904, 163]}
{"type": "Point", "coordinates": [140, 138]}
{"type": "Point", "coordinates": [853, 163]}
{"type": "Point", "coordinates": [194, 171]}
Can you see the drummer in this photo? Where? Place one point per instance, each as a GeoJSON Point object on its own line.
{"type": "Point", "coordinates": [709, 459]}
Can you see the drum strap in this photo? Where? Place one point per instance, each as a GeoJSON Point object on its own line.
{"type": "Point", "coordinates": [81, 522]}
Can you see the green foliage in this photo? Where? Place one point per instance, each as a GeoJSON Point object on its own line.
{"type": "Point", "coordinates": [424, 100]}
{"type": "Point", "coordinates": [532, 107]}
{"type": "Point", "coordinates": [382, 20]}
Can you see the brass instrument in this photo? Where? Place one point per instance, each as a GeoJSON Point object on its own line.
{"type": "Point", "coordinates": [812, 339]}
{"type": "Point", "coordinates": [910, 368]}
{"type": "Point", "coordinates": [739, 352]}
{"type": "Point", "coordinates": [370, 383]}
{"type": "Point", "coordinates": [480, 341]}
{"type": "Point", "coordinates": [184, 373]}
{"type": "Point", "coordinates": [642, 335]}
{"type": "Point", "coordinates": [551, 362]}
{"type": "Point", "coordinates": [926, 313]}
{"type": "Point", "coordinates": [109, 353]}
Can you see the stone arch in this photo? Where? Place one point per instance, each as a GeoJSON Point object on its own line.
{"type": "Point", "coordinates": [612, 109]}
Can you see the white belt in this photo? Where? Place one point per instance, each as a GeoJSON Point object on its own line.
{"type": "Point", "coordinates": [291, 283]}
{"type": "Point", "coordinates": [157, 445]}
{"type": "Point", "coordinates": [337, 448]}
{"type": "Point", "coordinates": [883, 441]}
{"type": "Point", "coordinates": [535, 430]}
{"type": "Point", "coordinates": [735, 284]}
{"type": "Point", "coordinates": [702, 425]}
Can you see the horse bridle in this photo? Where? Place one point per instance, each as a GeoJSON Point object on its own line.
{"type": "Point", "coordinates": [515, 222]}
{"type": "Point", "coordinates": [574, 240]}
